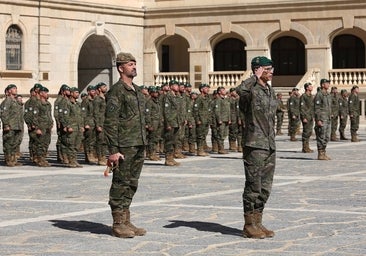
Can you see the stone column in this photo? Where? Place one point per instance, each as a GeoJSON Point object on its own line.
{"type": "Point", "coordinates": [199, 66]}
{"type": "Point", "coordinates": [150, 62]}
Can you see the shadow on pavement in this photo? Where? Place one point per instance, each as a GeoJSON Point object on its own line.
{"type": "Point", "coordinates": [83, 226]}
{"type": "Point", "coordinates": [205, 226]}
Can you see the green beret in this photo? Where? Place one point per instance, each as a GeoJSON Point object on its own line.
{"type": "Point", "coordinates": [65, 87]}
{"type": "Point", "coordinates": [171, 82]}
{"type": "Point", "coordinates": [10, 86]}
{"type": "Point", "coordinates": [37, 86]}
{"type": "Point", "coordinates": [83, 94]}
{"type": "Point", "coordinates": [203, 86]}
{"type": "Point", "coordinates": [324, 80]}
{"type": "Point", "coordinates": [143, 87]}
{"type": "Point", "coordinates": [74, 89]}
{"type": "Point", "coordinates": [306, 85]}
{"type": "Point", "coordinates": [43, 89]}
{"type": "Point", "coordinates": [91, 88]}
{"type": "Point", "coordinates": [187, 85]}
{"type": "Point", "coordinates": [232, 89]}
{"type": "Point", "coordinates": [100, 85]}
{"type": "Point", "coordinates": [153, 89]}
{"type": "Point", "coordinates": [124, 57]}
{"type": "Point", "coordinates": [261, 61]}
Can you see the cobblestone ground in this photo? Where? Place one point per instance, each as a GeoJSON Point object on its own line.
{"type": "Point", "coordinates": [316, 208]}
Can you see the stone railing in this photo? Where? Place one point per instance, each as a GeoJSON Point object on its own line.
{"type": "Point", "coordinates": [162, 78]}
{"type": "Point", "coordinates": [227, 79]}
{"type": "Point", "coordinates": [312, 76]}
{"type": "Point", "coordinates": [345, 78]}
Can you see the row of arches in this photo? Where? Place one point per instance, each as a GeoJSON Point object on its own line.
{"type": "Point", "coordinates": [288, 53]}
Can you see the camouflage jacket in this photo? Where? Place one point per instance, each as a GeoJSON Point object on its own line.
{"type": "Point", "coordinates": [335, 105]}
{"type": "Point", "coordinates": [12, 114]}
{"type": "Point", "coordinates": [87, 110]}
{"type": "Point", "coordinates": [343, 107]}
{"type": "Point", "coordinates": [258, 105]}
{"type": "Point", "coordinates": [42, 118]}
{"type": "Point", "coordinates": [124, 124]}
{"type": "Point", "coordinates": [202, 109]}
{"type": "Point", "coordinates": [234, 110]}
{"type": "Point", "coordinates": [354, 105]}
{"type": "Point", "coordinates": [172, 110]}
{"type": "Point", "coordinates": [29, 107]}
{"type": "Point", "coordinates": [99, 106]}
{"type": "Point", "coordinates": [71, 116]}
{"type": "Point", "coordinates": [293, 104]}
{"type": "Point", "coordinates": [306, 107]}
{"type": "Point", "coordinates": [322, 106]}
{"type": "Point", "coordinates": [153, 113]}
{"type": "Point", "coordinates": [222, 110]}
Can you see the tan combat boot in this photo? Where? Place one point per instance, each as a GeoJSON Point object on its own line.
{"type": "Point", "coordinates": [232, 145]}
{"type": "Point", "coordinates": [251, 230]}
{"type": "Point", "coordinates": [201, 152]}
{"type": "Point", "coordinates": [221, 148]}
{"type": "Point", "coordinates": [192, 148]}
{"type": "Point", "coordinates": [215, 147]}
{"type": "Point", "coordinates": [178, 153]}
{"type": "Point", "coordinates": [119, 228]}
{"type": "Point", "coordinates": [306, 148]}
{"type": "Point", "coordinates": [258, 218]}
{"type": "Point", "coordinates": [169, 160]}
{"type": "Point", "coordinates": [354, 138]}
{"type": "Point", "coordinates": [321, 155]}
{"type": "Point", "coordinates": [136, 230]}
{"type": "Point", "coordinates": [342, 136]}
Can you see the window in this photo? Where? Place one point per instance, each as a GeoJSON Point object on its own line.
{"type": "Point", "coordinates": [14, 48]}
{"type": "Point", "coordinates": [229, 55]}
{"type": "Point", "coordinates": [348, 52]}
{"type": "Point", "coordinates": [288, 55]}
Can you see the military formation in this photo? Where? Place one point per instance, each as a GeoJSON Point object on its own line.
{"type": "Point", "coordinates": [177, 122]}
{"type": "Point", "coordinates": [324, 113]}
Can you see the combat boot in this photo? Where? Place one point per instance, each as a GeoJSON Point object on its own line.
{"type": "Point", "coordinates": [215, 147]}
{"type": "Point", "coordinates": [8, 161]}
{"type": "Point", "coordinates": [15, 161]}
{"type": "Point", "coordinates": [185, 146]}
{"type": "Point", "coordinates": [73, 163]}
{"type": "Point", "coordinates": [222, 149]}
{"type": "Point", "coordinates": [102, 160]}
{"type": "Point", "coordinates": [342, 137]}
{"type": "Point", "coordinates": [333, 137]}
{"type": "Point", "coordinates": [119, 228]}
{"type": "Point", "coordinates": [354, 138]}
{"type": "Point", "coordinates": [169, 160]}
{"type": "Point", "coordinates": [240, 146]}
{"type": "Point", "coordinates": [258, 219]}
{"type": "Point", "coordinates": [321, 155]}
{"type": "Point", "coordinates": [178, 153]}
{"type": "Point", "coordinates": [201, 152]}
{"type": "Point", "coordinates": [232, 145]}
{"type": "Point", "coordinates": [41, 162]}
{"type": "Point", "coordinates": [192, 148]}
{"type": "Point", "coordinates": [306, 148]}
{"type": "Point", "coordinates": [251, 230]}
{"type": "Point", "coordinates": [153, 156]}
{"type": "Point", "coordinates": [136, 230]}
{"type": "Point", "coordinates": [293, 137]}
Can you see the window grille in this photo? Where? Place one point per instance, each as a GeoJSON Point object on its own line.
{"type": "Point", "coordinates": [14, 48]}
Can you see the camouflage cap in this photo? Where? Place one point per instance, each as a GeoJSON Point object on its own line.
{"type": "Point", "coordinates": [261, 61]}
{"type": "Point", "coordinates": [124, 57]}
{"type": "Point", "coordinates": [10, 86]}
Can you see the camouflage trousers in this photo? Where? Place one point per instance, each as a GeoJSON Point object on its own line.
{"type": "Point", "coordinates": [259, 168]}
{"type": "Point", "coordinates": [125, 177]}
{"type": "Point", "coordinates": [334, 125]}
{"type": "Point", "coordinates": [323, 134]}
{"type": "Point", "coordinates": [307, 129]}
{"type": "Point", "coordinates": [355, 123]}
{"type": "Point", "coordinates": [342, 123]}
{"type": "Point", "coordinates": [279, 122]}
{"type": "Point", "coordinates": [201, 131]}
{"type": "Point", "coordinates": [11, 141]}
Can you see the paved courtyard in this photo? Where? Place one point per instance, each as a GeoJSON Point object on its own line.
{"type": "Point", "coordinates": [316, 208]}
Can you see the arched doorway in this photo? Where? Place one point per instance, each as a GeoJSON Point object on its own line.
{"type": "Point", "coordinates": [229, 55]}
{"type": "Point", "coordinates": [95, 62]}
{"type": "Point", "coordinates": [348, 51]}
{"type": "Point", "coordinates": [173, 54]}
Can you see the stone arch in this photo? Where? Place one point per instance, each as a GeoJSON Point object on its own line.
{"type": "Point", "coordinates": [79, 43]}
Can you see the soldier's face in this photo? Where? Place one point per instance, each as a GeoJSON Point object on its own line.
{"type": "Point", "coordinates": [129, 69]}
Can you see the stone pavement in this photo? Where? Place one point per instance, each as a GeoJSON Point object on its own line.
{"type": "Point", "coordinates": [316, 208]}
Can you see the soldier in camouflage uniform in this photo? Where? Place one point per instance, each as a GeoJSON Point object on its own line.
{"type": "Point", "coordinates": [89, 139]}
{"type": "Point", "coordinates": [258, 104]}
{"type": "Point", "coordinates": [354, 112]}
{"type": "Point", "coordinates": [202, 114]}
{"type": "Point", "coordinates": [98, 116]}
{"type": "Point", "coordinates": [335, 113]}
{"type": "Point", "coordinates": [213, 125]}
{"type": "Point", "coordinates": [191, 123]}
{"type": "Point", "coordinates": [323, 112]}
{"type": "Point", "coordinates": [154, 121]}
{"type": "Point", "coordinates": [42, 122]}
{"type": "Point", "coordinates": [61, 100]}
{"type": "Point", "coordinates": [307, 116]}
{"type": "Point", "coordinates": [187, 98]}
{"type": "Point", "coordinates": [222, 118]}
{"type": "Point", "coordinates": [183, 98]}
{"type": "Point", "coordinates": [293, 113]}
{"type": "Point", "coordinates": [234, 126]}
{"type": "Point", "coordinates": [280, 112]}
{"type": "Point", "coordinates": [172, 115]}
{"type": "Point", "coordinates": [343, 113]}
{"type": "Point", "coordinates": [13, 125]}
{"type": "Point", "coordinates": [125, 131]}
{"type": "Point", "coordinates": [72, 125]}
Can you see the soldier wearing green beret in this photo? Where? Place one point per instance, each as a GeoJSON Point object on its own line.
{"type": "Point", "coordinates": [323, 112]}
{"type": "Point", "coordinates": [235, 125]}
{"type": "Point", "coordinates": [13, 123]}
{"type": "Point", "coordinates": [307, 116]}
{"type": "Point", "coordinates": [258, 105]}
{"type": "Point", "coordinates": [293, 107]}
{"type": "Point", "coordinates": [335, 112]}
{"type": "Point", "coordinates": [89, 138]}
{"type": "Point", "coordinates": [125, 131]}
{"type": "Point", "coordinates": [99, 106]}
{"type": "Point", "coordinates": [42, 122]}
{"type": "Point", "coordinates": [222, 118]}
{"type": "Point", "coordinates": [354, 112]}
{"type": "Point", "coordinates": [343, 113]}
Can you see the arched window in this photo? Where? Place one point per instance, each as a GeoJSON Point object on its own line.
{"type": "Point", "coordinates": [13, 48]}
{"type": "Point", "coordinates": [288, 55]}
{"type": "Point", "coordinates": [229, 55]}
{"type": "Point", "coordinates": [348, 52]}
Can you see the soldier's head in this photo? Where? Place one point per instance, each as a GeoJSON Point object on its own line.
{"type": "Point", "coordinates": [355, 89]}
{"type": "Point", "coordinates": [101, 87]}
{"type": "Point", "coordinates": [324, 83]}
{"type": "Point", "coordinates": [65, 90]}
{"type": "Point", "coordinates": [204, 88]}
{"type": "Point", "coordinates": [91, 90]}
{"type": "Point", "coordinates": [266, 64]}
{"type": "Point", "coordinates": [308, 87]}
{"type": "Point", "coordinates": [174, 85]}
{"type": "Point", "coordinates": [334, 90]}
{"type": "Point", "coordinates": [126, 64]}
{"type": "Point", "coordinates": [344, 93]}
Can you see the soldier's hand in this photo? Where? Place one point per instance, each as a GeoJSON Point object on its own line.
{"type": "Point", "coordinates": [6, 128]}
{"type": "Point", "coordinates": [99, 129]}
{"type": "Point", "coordinates": [198, 123]}
{"type": "Point", "coordinates": [168, 128]}
{"type": "Point", "coordinates": [70, 130]}
{"type": "Point", "coordinates": [319, 123]}
{"type": "Point", "coordinates": [87, 127]}
{"type": "Point", "coordinates": [305, 120]}
{"type": "Point", "coordinates": [38, 132]}
{"type": "Point", "coordinates": [115, 157]}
